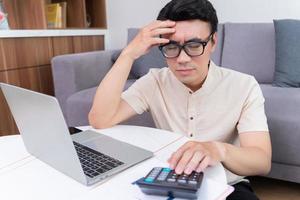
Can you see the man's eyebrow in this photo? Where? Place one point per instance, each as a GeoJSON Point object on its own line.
{"type": "Point", "coordinates": [174, 42]}
{"type": "Point", "coordinates": [190, 40]}
{"type": "Point", "coordinates": [195, 40]}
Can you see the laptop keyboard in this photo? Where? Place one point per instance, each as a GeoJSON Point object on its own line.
{"type": "Point", "coordinates": [94, 162]}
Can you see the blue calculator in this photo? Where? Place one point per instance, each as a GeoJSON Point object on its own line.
{"type": "Point", "coordinates": [165, 182]}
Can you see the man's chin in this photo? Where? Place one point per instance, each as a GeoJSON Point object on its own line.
{"type": "Point", "coordinates": [185, 80]}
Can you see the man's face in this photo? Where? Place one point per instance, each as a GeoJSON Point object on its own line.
{"type": "Point", "coordinates": [191, 71]}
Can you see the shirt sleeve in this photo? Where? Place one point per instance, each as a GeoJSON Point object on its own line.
{"type": "Point", "coordinates": [253, 117]}
{"type": "Point", "coordinates": [139, 94]}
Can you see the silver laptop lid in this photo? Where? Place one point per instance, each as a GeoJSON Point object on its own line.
{"type": "Point", "coordinates": [43, 129]}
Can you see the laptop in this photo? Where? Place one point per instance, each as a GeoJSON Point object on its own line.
{"type": "Point", "coordinates": [88, 156]}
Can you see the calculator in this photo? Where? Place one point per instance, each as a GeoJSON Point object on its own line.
{"type": "Point", "coordinates": [165, 182]}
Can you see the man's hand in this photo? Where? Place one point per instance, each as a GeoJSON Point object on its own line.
{"type": "Point", "coordinates": [196, 156]}
{"type": "Point", "coordinates": [149, 37]}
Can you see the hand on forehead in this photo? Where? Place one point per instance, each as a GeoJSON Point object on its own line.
{"type": "Point", "coordinates": [190, 29]}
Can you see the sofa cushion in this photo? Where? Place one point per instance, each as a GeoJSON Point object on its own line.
{"type": "Point", "coordinates": [287, 65]}
{"type": "Point", "coordinates": [79, 105]}
{"type": "Point", "coordinates": [282, 107]}
{"type": "Point", "coordinates": [250, 48]}
{"type": "Point", "coordinates": [153, 59]}
{"type": "Point", "coordinates": [217, 54]}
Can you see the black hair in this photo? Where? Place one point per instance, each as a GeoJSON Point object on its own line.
{"type": "Point", "coordinates": [180, 10]}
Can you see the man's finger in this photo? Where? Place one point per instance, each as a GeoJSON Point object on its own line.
{"type": "Point", "coordinates": [194, 162]}
{"type": "Point", "coordinates": [160, 24]}
{"type": "Point", "coordinates": [162, 31]}
{"type": "Point", "coordinates": [155, 41]}
{"type": "Point", "coordinates": [203, 164]}
{"type": "Point", "coordinates": [184, 160]}
{"type": "Point", "coordinates": [174, 159]}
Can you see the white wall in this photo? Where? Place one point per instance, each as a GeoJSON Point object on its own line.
{"type": "Point", "coordinates": [122, 14]}
{"type": "Point", "coordinates": [256, 10]}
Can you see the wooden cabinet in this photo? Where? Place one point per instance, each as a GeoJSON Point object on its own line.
{"type": "Point", "coordinates": [30, 14]}
{"type": "Point", "coordinates": [26, 62]}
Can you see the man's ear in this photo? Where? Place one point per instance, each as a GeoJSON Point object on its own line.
{"type": "Point", "coordinates": [214, 42]}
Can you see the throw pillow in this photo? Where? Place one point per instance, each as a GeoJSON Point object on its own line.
{"type": "Point", "coordinates": [287, 62]}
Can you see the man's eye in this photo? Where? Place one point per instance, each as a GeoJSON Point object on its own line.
{"type": "Point", "coordinates": [171, 47]}
{"type": "Point", "coordinates": [194, 45]}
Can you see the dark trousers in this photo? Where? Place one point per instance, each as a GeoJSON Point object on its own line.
{"type": "Point", "coordinates": [242, 191]}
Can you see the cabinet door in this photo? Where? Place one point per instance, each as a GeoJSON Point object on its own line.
{"type": "Point", "coordinates": [25, 52]}
{"type": "Point", "coordinates": [62, 45]}
{"type": "Point", "coordinates": [26, 62]}
{"type": "Point", "coordinates": [88, 43]}
{"type": "Point", "coordinates": [38, 78]}
{"type": "Point", "coordinates": [26, 14]}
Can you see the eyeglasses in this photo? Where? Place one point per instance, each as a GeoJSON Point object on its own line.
{"type": "Point", "coordinates": [194, 47]}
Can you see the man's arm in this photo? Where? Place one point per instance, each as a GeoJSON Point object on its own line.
{"type": "Point", "coordinates": [253, 157]}
{"type": "Point", "coordinates": [108, 107]}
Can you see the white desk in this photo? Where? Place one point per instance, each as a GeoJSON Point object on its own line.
{"type": "Point", "coordinates": [24, 177]}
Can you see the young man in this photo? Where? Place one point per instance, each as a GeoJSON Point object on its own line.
{"type": "Point", "coordinates": [221, 110]}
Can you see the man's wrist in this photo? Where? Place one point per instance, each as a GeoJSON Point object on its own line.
{"type": "Point", "coordinates": [222, 149]}
{"type": "Point", "coordinates": [128, 54]}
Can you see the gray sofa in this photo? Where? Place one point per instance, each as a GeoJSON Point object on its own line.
{"type": "Point", "coordinates": [248, 48]}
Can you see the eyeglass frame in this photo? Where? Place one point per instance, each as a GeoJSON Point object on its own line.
{"type": "Point", "coordinates": [196, 40]}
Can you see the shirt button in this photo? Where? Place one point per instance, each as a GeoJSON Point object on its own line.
{"type": "Point", "coordinates": [191, 118]}
{"type": "Point", "coordinates": [191, 134]}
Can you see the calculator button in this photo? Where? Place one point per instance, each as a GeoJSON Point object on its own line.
{"type": "Point", "coordinates": [149, 180]}
{"type": "Point", "coordinates": [171, 180]}
{"type": "Point", "coordinates": [163, 175]}
{"type": "Point", "coordinates": [155, 171]}
{"type": "Point", "coordinates": [192, 182]}
{"type": "Point", "coordinates": [172, 177]}
{"type": "Point", "coordinates": [183, 178]}
{"type": "Point", "coordinates": [181, 181]}
{"type": "Point", "coordinates": [194, 178]}
{"type": "Point", "coordinates": [166, 170]}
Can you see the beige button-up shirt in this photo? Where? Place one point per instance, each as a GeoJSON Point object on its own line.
{"type": "Point", "coordinates": [228, 103]}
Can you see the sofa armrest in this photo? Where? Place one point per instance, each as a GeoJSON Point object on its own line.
{"type": "Point", "coordinates": [76, 72]}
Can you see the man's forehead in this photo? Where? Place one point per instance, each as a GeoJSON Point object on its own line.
{"type": "Point", "coordinates": [191, 29]}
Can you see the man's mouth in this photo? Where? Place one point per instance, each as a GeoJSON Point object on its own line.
{"type": "Point", "coordinates": [185, 72]}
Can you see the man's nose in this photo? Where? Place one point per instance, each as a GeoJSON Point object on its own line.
{"type": "Point", "coordinates": [183, 57]}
